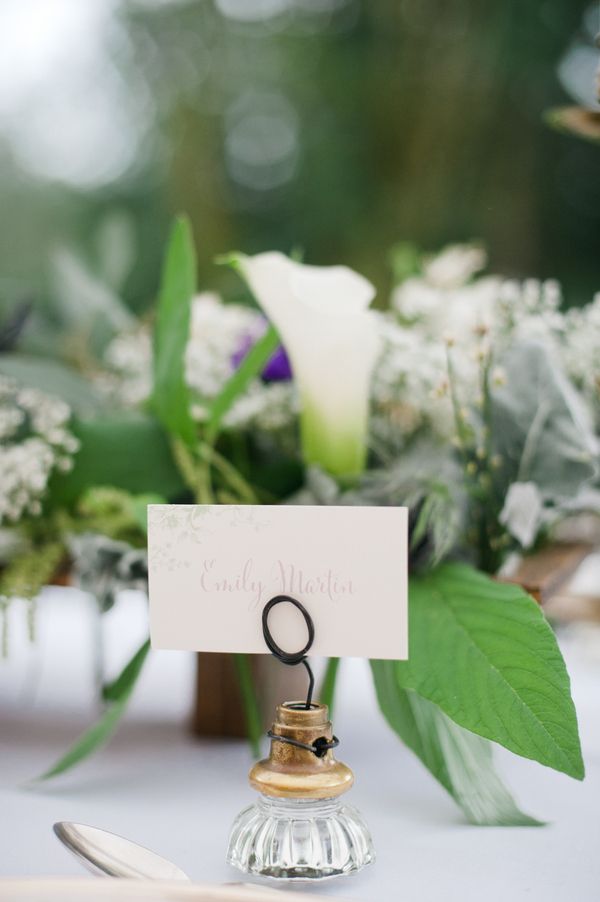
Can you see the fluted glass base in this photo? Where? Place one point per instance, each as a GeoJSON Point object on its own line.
{"type": "Point", "coordinates": [304, 839]}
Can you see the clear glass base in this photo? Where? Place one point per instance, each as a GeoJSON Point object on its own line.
{"type": "Point", "coordinates": [293, 839]}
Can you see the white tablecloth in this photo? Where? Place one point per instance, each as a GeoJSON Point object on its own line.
{"type": "Point", "coordinates": [158, 785]}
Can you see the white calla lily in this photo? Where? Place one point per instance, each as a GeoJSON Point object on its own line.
{"type": "Point", "coordinates": [331, 337]}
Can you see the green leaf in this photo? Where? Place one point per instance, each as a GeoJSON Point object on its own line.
{"type": "Point", "coordinates": [327, 691]}
{"type": "Point", "coordinates": [406, 260]}
{"type": "Point", "coordinates": [171, 397]}
{"type": "Point", "coordinates": [252, 364]}
{"type": "Point", "coordinates": [249, 701]}
{"type": "Point", "coordinates": [484, 653]}
{"type": "Point", "coordinates": [129, 451]}
{"type": "Point", "coordinates": [458, 759]}
{"type": "Point", "coordinates": [112, 692]}
{"type": "Point", "coordinates": [54, 378]}
{"type": "Point", "coordinates": [93, 738]}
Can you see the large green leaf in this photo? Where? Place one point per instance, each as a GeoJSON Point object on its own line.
{"type": "Point", "coordinates": [54, 378]}
{"type": "Point", "coordinates": [128, 451]}
{"type": "Point", "coordinates": [252, 364]}
{"type": "Point", "coordinates": [458, 759]}
{"type": "Point", "coordinates": [484, 653]}
{"type": "Point", "coordinates": [171, 398]}
{"type": "Point", "coordinates": [118, 693]}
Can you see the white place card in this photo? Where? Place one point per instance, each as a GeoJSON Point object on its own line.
{"type": "Point", "coordinates": [213, 568]}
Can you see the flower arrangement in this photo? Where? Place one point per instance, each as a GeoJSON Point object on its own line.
{"type": "Point", "coordinates": [473, 400]}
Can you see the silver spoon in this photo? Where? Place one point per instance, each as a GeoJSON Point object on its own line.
{"type": "Point", "coordinates": [111, 855]}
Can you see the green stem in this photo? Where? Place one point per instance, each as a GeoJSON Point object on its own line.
{"type": "Point", "coordinates": [251, 709]}
{"type": "Point", "coordinates": [486, 396]}
{"type": "Point", "coordinates": [462, 432]}
{"type": "Point", "coordinates": [204, 493]}
{"type": "Point", "coordinates": [327, 693]}
{"type": "Point", "coordinates": [234, 479]}
{"type": "Point", "coordinates": [196, 473]}
{"type": "Point", "coordinates": [195, 476]}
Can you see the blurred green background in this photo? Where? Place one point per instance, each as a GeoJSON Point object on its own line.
{"type": "Point", "coordinates": [337, 126]}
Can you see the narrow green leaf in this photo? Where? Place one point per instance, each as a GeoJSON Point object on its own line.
{"type": "Point", "coordinates": [171, 398]}
{"type": "Point", "coordinates": [327, 693]}
{"type": "Point", "coordinates": [252, 364]}
{"type": "Point", "coordinates": [251, 709]}
{"type": "Point", "coordinates": [458, 759]}
{"type": "Point", "coordinates": [97, 735]}
{"type": "Point", "coordinates": [128, 451]}
{"type": "Point", "coordinates": [125, 681]}
{"type": "Point", "coordinates": [406, 260]}
{"type": "Point", "coordinates": [483, 652]}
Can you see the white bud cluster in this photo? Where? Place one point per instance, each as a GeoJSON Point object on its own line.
{"type": "Point", "coordinates": [34, 442]}
{"type": "Point", "coordinates": [581, 349]}
{"type": "Point", "coordinates": [450, 311]}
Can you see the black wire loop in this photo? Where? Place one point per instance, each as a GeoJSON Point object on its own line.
{"type": "Point", "coordinates": [322, 745]}
{"type": "Point", "coordinates": [291, 658]}
{"type": "Point", "coordinates": [319, 747]}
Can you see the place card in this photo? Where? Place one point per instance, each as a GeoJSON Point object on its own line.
{"type": "Point", "coordinates": [213, 568]}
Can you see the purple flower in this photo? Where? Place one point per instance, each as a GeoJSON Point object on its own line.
{"type": "Point", "coordinates": [277, 367]}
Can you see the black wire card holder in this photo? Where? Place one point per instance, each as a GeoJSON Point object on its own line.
{"type": "Point", "coordinates": [320, 746]}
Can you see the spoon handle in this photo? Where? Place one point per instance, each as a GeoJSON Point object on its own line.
{"type": "Point", "coordinates": [69, 889]}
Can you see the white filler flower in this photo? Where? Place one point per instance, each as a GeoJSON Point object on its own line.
{"type": "Point", "coordinates": [34, 442]}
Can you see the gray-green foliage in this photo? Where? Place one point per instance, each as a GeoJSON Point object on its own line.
{"type": "Point", "coordinates": [425, 479]}
{"type": "Point", "coordinates": [541, 428]}
{"type": "Point", "coordinates": [88, 308]}
{"type": "Point", "coordinates": [104, 567]}
{"type": "Point", "coordinates": [54, 378]}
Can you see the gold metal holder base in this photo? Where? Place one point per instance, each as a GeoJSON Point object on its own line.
{"type": "Point", "coordinates": [297, 773]}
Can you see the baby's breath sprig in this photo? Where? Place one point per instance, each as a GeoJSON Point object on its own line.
{"type": "Point", "coordinates": [35, 441]}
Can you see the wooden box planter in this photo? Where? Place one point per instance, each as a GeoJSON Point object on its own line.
{"type": "Point", "coordinates": [218, 708]}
